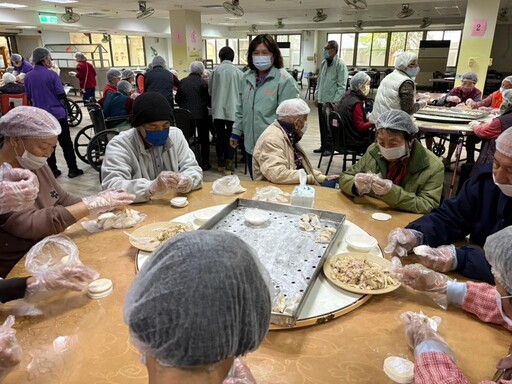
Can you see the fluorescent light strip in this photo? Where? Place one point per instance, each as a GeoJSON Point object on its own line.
{"type": "Point", "coordinates": [12, 5]}
{"type": "Point", "coordinates": [61, 1]}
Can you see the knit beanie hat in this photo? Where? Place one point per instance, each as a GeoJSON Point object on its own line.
{"type": "Point", "coordinates": [150, 107]}
{"type": "Point", "coordinates": [39, 54]}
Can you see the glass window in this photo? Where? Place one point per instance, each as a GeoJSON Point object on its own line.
{"type": "Point", "coordinates": [337, 38]}
{"type": "Point", "coordinates": [210, 49]}
{"type": "Point", "coordinates": [379, 45]}
{"type": "Point", "coordinates": [434, 35]}
{"type": "Point", "coordinates": [295, 48]}
{"type": "Point", "coordinates": [233, 43]}
{"type": "Point", "coordinates": [79, 38]}
{"type": "Point", "coordinates": [348, 42]}
{"type": "Point", "coordinates": [120, 58]}
{"type": "Point", "coordinates": [413, 41]}
{"type": "Point", "coordinates": [454, 37]}
{"type": "Point", "coordinates": [243, 46]}
{"type": "Point", "coordinates": [136, 49]}
{"type": "Point", "coordinates": [107, 58]}
{"type": "Point", "coordinates": [364, 48]}
{"type": "Point", "coordinates": [219, 44]}
{"type": "Point", "coordinates": [397, 44]}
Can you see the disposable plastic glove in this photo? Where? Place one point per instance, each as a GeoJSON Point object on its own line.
{"type": "Point", "coordinates": [184, 184]}
{"type": "Point", "coordinates": [240, 373]}
{"type": "Point", "coordinates": [470, 102]}
{"type": "Point", "coordinates": [170, 180]}
{"type": "Point", "coordinates": [10, 350]}
{"type": "Point", "coordinates": [363, 183]}
{"type": "Point", "coordinates": [18, 188]}
{"type": "Point", "coordinates": [453, 99]}
{"type": "Point", "coordinates": [441, 259]}
{"type": "Point", "coordinates": [421, 278]}
{"type": "Point", "coordinates": [424, 96]}
{"type": "Point", "coordinates": [68, 277]}
{"type": "Point", "coordinates": [381, 186]}
{"type": "Point", "coordinates": [422, 103]}
{"type": "Point", "coordinates": [420, 335]}
{"type": "Point", "coordinates": [402, 241]}
{"type": "Point", "coordinates": [107, 200]}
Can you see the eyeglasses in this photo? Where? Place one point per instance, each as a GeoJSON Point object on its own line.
{"type": "Point", "coordinates": [505, 297]}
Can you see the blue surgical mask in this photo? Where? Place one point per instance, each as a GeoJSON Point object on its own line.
{"type": "Point", "coordinates": [412, 72]}
{"type": "Point", "coordinates": [327, 55]}
{"type": "Point", "coordinates": [262, 63]}
{"type": "Point", "coordinates": [157, 138]}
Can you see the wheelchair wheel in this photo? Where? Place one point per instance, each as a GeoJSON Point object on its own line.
{"type": "Point", "coordinates": [97, 146]}
{"type": "Point", "coordinates": [82, 140]}
{"type": "Point", "coordinates": [74, 114]}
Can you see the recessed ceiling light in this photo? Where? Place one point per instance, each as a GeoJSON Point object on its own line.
{"type": "Point", "coordinates": [61, 1]}
{"type": "Point", "coordinates": [27, 27]}
{"type": "Point", "coordinates": [12, 5]}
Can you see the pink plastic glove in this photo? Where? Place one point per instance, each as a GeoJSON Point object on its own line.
{"type": "Point", "coordinates": [453, 99]}
{"type": "Point", "coordinates": [381, 186]}
{"type": "Point", "coordinates": [170, 180]}
{"type": "Point", "coordinates": [441, 259]}
{"type": "Point", "coordinates": [10, 350]}
{"type": "Point", "coordinates": [68, 277]}
{"type": "Point", "coordinates": [402, 241]}
{"type": "Point", "coordinates": [421, 278]}
{"type": "Point", "coordinates": [240, 373]}
{"type": "Point", "coordinates": [418, 332]}
{"type": "Point", "coordinates": [107, 200]}
{"type": "Point", "coordinates": [18, 188]}
{"type": "Point", "coordinates": [363, 183]}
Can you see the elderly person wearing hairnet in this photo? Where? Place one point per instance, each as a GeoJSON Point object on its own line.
{"type": "Point", "coordinates": [128, 75]}
{"type": "Point", "coordinates": [352, 112]}
{"type": "Point", "coordinates": [193, 95]}
{"type": "Point", "coordinates": [277, 156]}
{"type": "Point", "coordinates": [86, 75]}
{"type": "Point", "coordinates": [398, 89]}
{"type": "Point", "coordinates": [482, 207]}
{"type": "Point", "coordinates": [435, 360]}
{"type": "Point", "coordinates": [397, 169]}
{"type": "Point", "coordinates": [20, 67]}
{"type": "Point", "coordinates": [153, 157]}
{"type": "Point", "coordinates": [44, 89]}
{"type": "Point", "coordinates": [113, 78]}
{"type": "Point", "coordinates": [160, 79]}
{"type": "Point", "coordinates": [118, 104]}
{"type": "Point", "coordinates": [30, 135]}
{"type": "Point", "coordinates": [10, 86]}
{"type": "Point", "coordinates": [194, 333]}
{"type": "Point", "coordinates": [495, 99]}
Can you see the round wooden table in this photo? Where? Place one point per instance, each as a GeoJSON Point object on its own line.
{"type": "Point", "coordinates": [79, 340]}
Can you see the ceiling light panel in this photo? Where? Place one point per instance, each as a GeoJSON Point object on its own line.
{"type": "Point", "coordinates": [61, 1]}
{"type": "Point", "coordinates": [12, 5]}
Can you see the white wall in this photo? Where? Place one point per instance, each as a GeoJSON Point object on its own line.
{"type": "Point", "coordinates": [160, 44]}
{"type": "Point", "coordinates": [308, 50]}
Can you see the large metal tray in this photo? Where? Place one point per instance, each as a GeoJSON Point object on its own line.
{"type": "Point", "coordinates": [290, 254]}
{"type": "Point", "coordinates": [452, 115]}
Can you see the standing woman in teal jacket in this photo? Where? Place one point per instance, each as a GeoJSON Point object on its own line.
{"type": "Point", "coordinates": [266, 85]}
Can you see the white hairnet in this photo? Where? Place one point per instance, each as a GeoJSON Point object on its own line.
{"type": "Point", "coordinates": [358, 80]}
{"type": "Point", "coordinates": [127, 73]}
{"type": "Point", "coordinates": [79, 56]}
{"type": "Point", "coordinates": [17, 58]}
{"type": "Point", "coordinates": [124, 86]}
{"type": "Point", "coordinates": [8, 78]}
{"type": "Point", "coordinates": [293, 107]}
{"type": "Point", "coordinates": [507, 79]}
{"type": "Point", "coordinates": [200, 299]}
{"type": "Point", "coordinates": [113, 73]}
{"type": "Point", "coordinates": [507, 95]}
{"type": "Point", "coordinates": [174, 72]}
{"type": "Point", "coordinates": [403, 59]}
{"type": "Point", "coordinates": [504, 143]}
{"type": "Point", "coordinates": [29, 122]}
{"type": "Point", "coordinates": [498, 251]}
{"type": "Point", "coordinates": [471, 76]}
{"type": "Point", "coordinates": [158, 61]}
{"type": "Point", "coordinates": [397, 120]}
{"type": "Point", "coordinates": [196, 67]}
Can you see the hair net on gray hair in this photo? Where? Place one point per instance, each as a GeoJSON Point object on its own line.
{"type": "Point", "coordinates": [507, 95]}
{"type": "Point", "coordinates": [504, 143]}
{"type": "Point", "coordinates": [158, 61]}
{"type": "Point", "coordinates": [472, 76]}
{"type": "Point", "coordinates": [79, 56]}
{"type": "Point", "coordinates": [112, 74]}
{"type": "Point", "coordinates": [200, 299]}
{"type": "Point", "coordinates": [127, 73]}
{"type": "Point", "coordinates": [498, 249]}
{"type": "Point", "coordinates": [358, 80]}
{"type": "Point", "coordinates": [397, 120]}
{"type": "Point", "coordinates": [40, 53]}
{"type": "Point", "coordinates": [293, 107]}
{"type": "Point", "coordinates": [507, 79]}
{"type": "Point", "coordinates": [17, 58]}
{"type": "Point", "coordinates": [29, 122]}
{"type": "Point", "coordinates": [403, 59]}
{"type": "Point", "coordinates": [196, 67]}
{"type": "Point", "coordinates": [124, 86]}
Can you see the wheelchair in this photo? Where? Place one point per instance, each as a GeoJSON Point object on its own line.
{"type": "Point", "coordinates": [74, 113]}
{"type": "Point", "coordinates": [91, 141]}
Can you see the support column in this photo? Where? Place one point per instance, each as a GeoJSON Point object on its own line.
{"type": "Point", "coordinates": [185, 42]}
{"type": "Point", "coordinates": [477, 39]}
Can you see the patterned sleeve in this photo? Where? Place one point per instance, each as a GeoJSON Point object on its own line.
{"type": "Point", "coordinates": [437, 367]}
{"type": "Point", "coordinates": [408, 98]}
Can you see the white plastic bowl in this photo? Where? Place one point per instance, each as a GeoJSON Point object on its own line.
{"type": "Point", "coordinates": [361, 242]}
{"type": "Point", "coordinates": [256, 216]}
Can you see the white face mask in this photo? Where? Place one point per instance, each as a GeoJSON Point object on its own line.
{"type": "Point", "coordinates": [505, 317]}
{"type": "Point", "coordinates": [304, 128]}
{"type": "Point", "coordinates": [501, 90]}
{"type": "Point", "coordinates": [393, 153]}
{"type": "Point", "coordinates": [505, 188]}
{"type": "Point", "coordinates": [30, 161]}
{"type": "Point", "coordinates": [262, 63]}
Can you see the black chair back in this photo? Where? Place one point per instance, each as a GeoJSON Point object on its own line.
{"type": "Point", "coordinates": [185, 121]}
{"type": "Point", "coordinates": [97, 118]}
{"type": "Point", "coordinates": [343, 143]}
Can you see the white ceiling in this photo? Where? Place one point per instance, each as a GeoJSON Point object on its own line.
{"type": "Point", "coordinates": [296, 14]}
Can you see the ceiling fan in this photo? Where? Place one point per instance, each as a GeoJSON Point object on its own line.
{"type": "Point", "coordinates": [70, 16]}
{"type": "Point", "coordinates": [426, 22]}
{"type": "Point", "coordinates": [357, 4]}
{"type": "Point", "coordinates": [144, 11]}
{"type": "Point", "coordinates": [106, 38]}
{"type": "Point", "coordinates": [406, 11]}
{"type": "Point", "coordinates": [320, 15]}
{"type": "Point", "coordinates": [279, 24]}
{"type": "Point", "coordinates": [233, 7]}
{"type": "Point", "coordinates": [358, 25]}
{"type": "Point", "coordinates": [503, 14]}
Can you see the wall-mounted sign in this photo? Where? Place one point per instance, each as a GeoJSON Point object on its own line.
{"type": "Point", "coordinates": [479, 27]}
{"type": "Point", "coordinates": [46, 18]}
